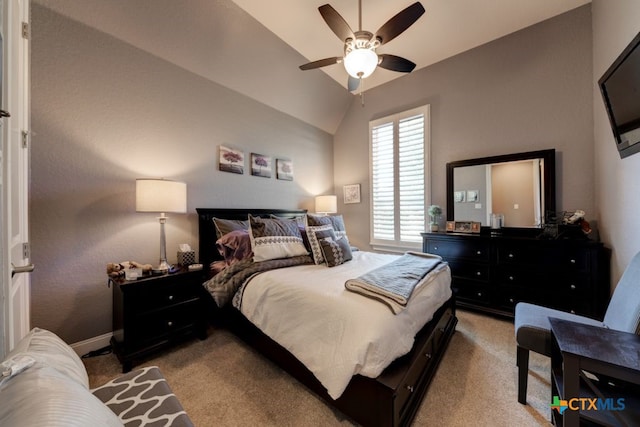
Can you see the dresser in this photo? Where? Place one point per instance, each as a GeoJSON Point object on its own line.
{"type": "Point", "coordinates": [153, 312]}
{"type": "Point", "coordinates": [493, 273]}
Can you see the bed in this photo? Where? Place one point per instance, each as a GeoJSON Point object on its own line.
{"type": "Point", "coordinates": [390, 399]}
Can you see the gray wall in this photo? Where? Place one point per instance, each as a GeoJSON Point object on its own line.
{"type": "Point", "coordinates": [615, 24]}
{"type": "Point", "coordinates": [105, 113]}
{"type": "Point", "coordinates": [530, 90]}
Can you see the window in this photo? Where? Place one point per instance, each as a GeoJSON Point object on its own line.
{"type": "Point", "coordinates": [399, 150]}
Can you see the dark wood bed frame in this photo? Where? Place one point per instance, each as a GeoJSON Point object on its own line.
{"type": "Point", "coordinates": [393, 398]}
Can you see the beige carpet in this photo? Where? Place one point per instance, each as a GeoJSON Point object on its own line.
{"type": "Point", "coordinates": [222, 382]}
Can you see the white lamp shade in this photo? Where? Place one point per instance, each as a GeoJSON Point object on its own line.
{"type": "Point", "coordinates": [326, 204]}
{"type": "Point", "coordinates": [161, 195]}
{"type": "Point", "coordinates": [360, 63]}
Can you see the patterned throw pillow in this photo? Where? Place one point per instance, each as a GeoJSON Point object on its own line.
{"type": "Point", "coordinates": [315, 234]}
{"type": "Point", "coordinates": [275, 238]}
{"type": "Point", "coordinates": [336, 221]}
{"type": "Point", "coordinates": [224, 226]}
{"type": "Point", "coordinates": [335, 252]}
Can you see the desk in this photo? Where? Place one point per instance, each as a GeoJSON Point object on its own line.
{"type": "Point", "coordinates": [577, 348]}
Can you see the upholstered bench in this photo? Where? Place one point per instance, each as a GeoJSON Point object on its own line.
{"type": "Point", "coordinates": [43, 382]}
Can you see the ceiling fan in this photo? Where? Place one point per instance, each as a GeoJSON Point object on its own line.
{"type": "Point", "coordinates": [360, 58]}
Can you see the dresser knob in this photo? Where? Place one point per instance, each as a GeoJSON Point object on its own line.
{"type": "Point", "coordinates": [511, 278]}
{"type": "Point", "coordinates": [511, 300]}
{"type": "Point", "coordinates": [169, 323]}
{"type": "Point", "coordinates": [510, 255]}
{"type": "Point", "coordinates": [427, 355]}
{"type": "Point", "coordinates": [479, 294]}
{"type": "Point", "coordinates": [479, 252]}
{"type": "Point", "coordinates": [478, 273]}
{"type": "Point", "coordinates": [573, 261]}
{"type": "Point", "coordinates": [435, 248]}
{"type": "Point", "coordinates": [410, 388]}
{"type": "Point", "coordinates": [572, 286]}
{"type": "Point", "coordinates": [573, 312]}
{"type": "Point", "coordinates": [170, 297]}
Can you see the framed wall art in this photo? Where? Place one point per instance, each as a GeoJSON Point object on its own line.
{"type": "Point", "coordinates": [260, 165]}
{"type": "Point", "coordinates": [231, 160]}
{"type": "Point", "coordinates": [351, 193]}
{"type": "Point", "coordinates": [284, 169]}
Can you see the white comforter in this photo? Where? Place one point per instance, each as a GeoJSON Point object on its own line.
{"type": "Point", "coordinates": [334, 332]}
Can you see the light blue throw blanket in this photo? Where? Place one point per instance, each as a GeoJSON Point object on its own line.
{"type": "Point", "coordinates": [394, 283]}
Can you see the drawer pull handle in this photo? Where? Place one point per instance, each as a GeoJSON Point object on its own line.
{"type": "Point", "coordinates": [169, 323]}
{"type": "Point", "coordinates": [573, 261]}
{"type": "Point", "coordinates": [573, 312]}
{"type": "Point", "coordinates": [511, 278]}
{"type": "Point", "coordinates": [410, 388]}
{"type": "Point", "coordinates": [479, 294]}
{"type": "Point", "coordinates": [479, 252]}
{"type": "Point", "coordinates": [435, 248]}
{"type": "Point", "coordinates": [170, 297]}
{"type": "Point", "coordinates": [478, 273]}
{"type": "Point", "coordinates": [511, 300]}
{"type": "Point", "coordinates": [573, 286]}
{"type": "Point", "coordinates": [427, 355]}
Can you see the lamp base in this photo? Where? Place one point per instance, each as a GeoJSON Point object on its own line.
{"type": "Point", "coordinates": [162, 267]}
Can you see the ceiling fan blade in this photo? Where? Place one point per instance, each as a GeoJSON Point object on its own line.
{"type": "Point", "coordinates": [321, 63]}
{"type": "Point", "coordinates": [353, 83]}
{"type": "Point", "coordinates": [336, 22]}
{"type": "Point", "coordinates": [396, 63]}
{"type": "Point", "coordinates": [400, 22]}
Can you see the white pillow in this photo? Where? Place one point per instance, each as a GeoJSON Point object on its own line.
{"type": "Point", "coordinates": [273, 238]}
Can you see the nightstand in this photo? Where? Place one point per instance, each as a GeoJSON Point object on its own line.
{"type": "Point", "coordinates": [156, 311]}
{"type": "Point", "coordinates": [595, 374]}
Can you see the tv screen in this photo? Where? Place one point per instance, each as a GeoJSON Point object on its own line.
{"type": "Point", "coordinates": [620, 88]}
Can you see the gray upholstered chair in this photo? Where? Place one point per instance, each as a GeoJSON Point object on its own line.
{"type": "Point", "coordinates": [533, 331]}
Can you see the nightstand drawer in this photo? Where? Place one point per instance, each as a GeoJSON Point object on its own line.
{"type": "Point", "coordinates": [167, 321]}
{"type": "Point", "coordinates": [165, 296]}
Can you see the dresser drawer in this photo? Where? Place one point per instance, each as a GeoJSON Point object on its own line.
{"type": "Point", "coordinates": [459, 249]}
{"type": "Point", "coordinates": [549, 258]}
{"type": "Point", "coordinates": [469, 270]}
{"type": "Point", "coordinates": [469, 291]}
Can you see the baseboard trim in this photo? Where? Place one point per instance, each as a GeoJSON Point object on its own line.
{"type": "Point", "coordinates": [91, 344]}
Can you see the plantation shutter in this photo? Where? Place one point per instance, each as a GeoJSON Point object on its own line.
{"type": "Point", "coordinates": [399, 149]}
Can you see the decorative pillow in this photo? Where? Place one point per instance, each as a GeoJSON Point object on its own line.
{"type": "Point", "coordinates": [302, 222]}
{"type": "Point", "coordinates": [273, 238]}
{"type": "Point", "coordinates": [315, 234]}
{"type": "Point", "coordinates": [335, 252]}
{"type": "Point", "coordinates": [224, 226]}
{"type": "Point", "coordinates": [234, 246]}
{"type": "Point", "coordinates": [337, 221]}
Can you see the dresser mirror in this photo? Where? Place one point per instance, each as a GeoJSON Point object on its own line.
{"type": "Point", "coordinates": [520, 187]}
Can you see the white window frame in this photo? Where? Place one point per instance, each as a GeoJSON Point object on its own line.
{"type": "Point", "coordinates": [397, 245]}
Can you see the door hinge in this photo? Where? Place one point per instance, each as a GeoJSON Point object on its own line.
{"type": "Point", "coordinates": [26, 30]}
{"type": "Point", "coordinates": [25, 138]}
{"type": "Point", "coordinates": [26, 250]}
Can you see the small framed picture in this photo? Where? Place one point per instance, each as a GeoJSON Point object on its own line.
{"type": "Point", "coordinates": [260, 165]}
{"type": "Point", "coordinates": [464, 226]}
{"type": "Point", "coordinates": [231, 160]}
{"type": "Point", "coordinates": [284, 169]}
{"type": "Point", "coordinates": [351, 193]}
{"type": "Point", "coordinates": [458, 196]}
{"type": "Point", "coordinates": [472, 195]}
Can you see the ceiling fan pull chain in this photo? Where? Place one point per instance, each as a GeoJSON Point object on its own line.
{"type": "Point", "coordinates": [361, 85]}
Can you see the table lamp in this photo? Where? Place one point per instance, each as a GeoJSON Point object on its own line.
{"type": "Point", "coordinates": [326, 204]}
{"type": "Point", "coordinates": [161, 195]}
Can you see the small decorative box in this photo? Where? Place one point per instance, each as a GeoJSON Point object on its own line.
{"type": "Point", "coordinates": [186, 257]}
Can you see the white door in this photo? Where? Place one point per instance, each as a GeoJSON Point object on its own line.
{"type": "Point", "coordinates": [14, 184]}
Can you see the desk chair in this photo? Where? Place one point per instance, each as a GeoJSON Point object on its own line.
{"type": "Point", "coordinates": [533, 331]}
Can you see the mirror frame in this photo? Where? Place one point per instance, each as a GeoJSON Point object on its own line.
{"type": "Point", "coordinates": [549, 174]}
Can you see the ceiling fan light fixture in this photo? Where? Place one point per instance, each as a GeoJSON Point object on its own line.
{"type": "Point", "coordinates": [360, 63]}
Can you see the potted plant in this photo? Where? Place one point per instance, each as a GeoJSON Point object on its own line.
{"type": "Point", "coordinates": [434, 212]}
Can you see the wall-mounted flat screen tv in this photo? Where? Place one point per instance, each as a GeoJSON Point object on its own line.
{"type": "Point", "coordinates": [620, 88]}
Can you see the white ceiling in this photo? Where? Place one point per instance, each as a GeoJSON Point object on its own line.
{"type": "Point", "coordinates": [447, 28]}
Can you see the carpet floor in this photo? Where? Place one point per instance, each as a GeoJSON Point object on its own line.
{"type": "Point", "coordinates": [223, 382]}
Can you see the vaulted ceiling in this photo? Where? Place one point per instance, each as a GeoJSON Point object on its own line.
{"type": "Point", "coordinates": [254, 47]}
